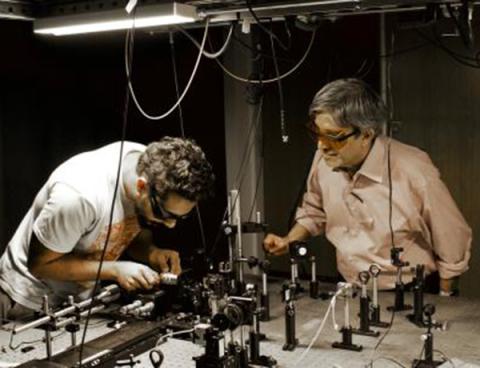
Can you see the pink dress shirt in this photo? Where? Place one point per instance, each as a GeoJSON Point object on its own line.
{"type": "Point", "coordinates": [353, 213]}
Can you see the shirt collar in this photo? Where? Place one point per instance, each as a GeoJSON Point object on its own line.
{"type": "Point", "coordinates": [374, 165]}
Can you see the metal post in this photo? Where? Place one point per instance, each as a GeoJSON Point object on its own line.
{"type": "Point", "coordinates": [48, 337]}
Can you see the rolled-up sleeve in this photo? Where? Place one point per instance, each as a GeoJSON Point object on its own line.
{"type": "Point", "coordinates": [451, 236]}
{"type": "Point", "coordinates": [310, 214]}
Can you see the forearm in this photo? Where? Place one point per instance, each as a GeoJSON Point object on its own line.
{"type": "Point", "coordinates": [74, 268]}
{"type": "Point", "coordinates": [298, 232]}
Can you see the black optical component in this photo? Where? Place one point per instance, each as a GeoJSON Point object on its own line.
{"type": "Point", "coordinates": [298, 249]}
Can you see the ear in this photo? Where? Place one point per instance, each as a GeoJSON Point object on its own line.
{"type": "Point", "coordinates": [368, 136]}
{"type": "Point", "coordinates": [141, 185]}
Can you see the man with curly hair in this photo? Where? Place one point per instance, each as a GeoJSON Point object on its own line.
{"type": "Point", "coordinates": [57, 247]}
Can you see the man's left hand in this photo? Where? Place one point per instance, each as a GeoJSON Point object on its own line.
{"type": "Point", "coordinates": [165, 260]}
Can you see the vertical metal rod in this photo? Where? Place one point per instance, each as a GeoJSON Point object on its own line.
{"type": "Point", "coordinates": [292, 270]}
{"type": "Point", "coordinates": [375, 292]}
{"type": "Point", "coordinates": [314, 268]}
{"type": "Point", "coordinates": [73, 333]}
{"type": "Point", "coordinates": [237, 217]}
{"type": "Point", "coordinates": [364, 291]}
{"type": "Point", "coordinates": [347, 311]}
{"type": "Point", "coordinates": [258, 217]}
{"type": "Point", "coordinates": [230, 219]}
{"type": "Point", "coordinates": [264, 283]}
{"type": "Point", "coordinates": [48, 338]}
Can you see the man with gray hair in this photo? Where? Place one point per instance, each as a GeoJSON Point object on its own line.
{"type": "Point", "coordinates": [57, 247]}
{"type": "Point", "coordinates": [348, 195]}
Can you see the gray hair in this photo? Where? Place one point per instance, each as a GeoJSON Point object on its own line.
{"type": "Point", "coordinates": [352, 103]}
{"type": "Point", "coordinates": [177, 165]}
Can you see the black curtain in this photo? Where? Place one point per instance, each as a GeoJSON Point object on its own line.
{"type": "Point", "coordinates": [62, 96]}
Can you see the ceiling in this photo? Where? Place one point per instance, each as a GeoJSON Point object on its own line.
{"type": "Point", "coordinates": [219, 10]}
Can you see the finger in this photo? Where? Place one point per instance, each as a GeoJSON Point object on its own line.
{"type": "Point", "coordinates": [125, 285]}
{"type": "Point", "coordinates": [269, 246]}
{"type": "Point", "coordinates": [273, 247]}
{"type": "Point", "coordinates": [269, 240]}
{"type": "Point", "coordinates": [279, 251]}
{"type": "Point", "coordinates": [151, 276]}
{"type": "Point", "coordinates": [162, 260]}
{"type": "Point", "coordinates": [132, 284]}
{"type": "Point", "coordinates": [176, 268]}
{"type": "Point", "coordinates": [142, 281]}
{"type": "Point", "coordinates": [270, 243]}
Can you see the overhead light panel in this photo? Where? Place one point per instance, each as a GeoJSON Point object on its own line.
{"type": "Point", "coordinates": [117, 19]}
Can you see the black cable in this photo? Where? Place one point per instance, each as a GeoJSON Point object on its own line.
{"type": "Point", "coordinates": [283, 127]}
{"type": "Point", "coordinates": [379, 342]}
{"type": "Point", "coordinates": [421, 352]}
{"type": "Point", "coordinates": [129, 42]}
{"type": "Point", "coordinates": [263, 54]}
{"type": "Point", "coordinates": [390, 191]}
{"type": "Point", "coordinates": [182, 129]}
{"type": "Point", "coordinates": [464, 34]}
{"type": "Point", "coordinates": [388, 359]}
{"type": "Point", "coordinates": [254, 201]}
{"type": "Point", "coordinates": [156, 357]}
{"type": "Point", "coordinates": [263, 28]}
{"type": "Point", "coordinates": [16, 347]}
{"type": "Point", "coordinates": [406, 50]}
{"type": "Point", "coordinates": [461, 59]}
{"type": "Point", "coordinates": [445, 357]}
{"type": "Point", "coordinates": [175, 79]}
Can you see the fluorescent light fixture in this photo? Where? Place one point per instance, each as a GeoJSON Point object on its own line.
{"type": "Point", "coordinates": [111, 20]}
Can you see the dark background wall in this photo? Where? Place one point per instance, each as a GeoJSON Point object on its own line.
{"type": "Point", "coordinates": [61, 96]}
{"type": "Point", "coordinates": [436, 101]}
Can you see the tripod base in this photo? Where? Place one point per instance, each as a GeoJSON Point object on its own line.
{"type": "Point", "coordinates": [371, 333]}
{"type": "Point", "coordinates": [416, 321]}
{"type": "Point", "coordinates": [290, 346]}
{"type": "Point", "coordinates": [424, 364]}
{"type": "Point", "coordinates": [346, 343]}
{"type": "Point", "coordinates": [341, 345]}
{"type": "Point", "coordinates": [264, 361]}
{"type": "Point", "coordinates": [399, 308]}
{"type": "Point", "coordinates": [379, 324]}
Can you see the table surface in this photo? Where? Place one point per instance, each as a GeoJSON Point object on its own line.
{"type": "Point", "coordinates": [460, 342]}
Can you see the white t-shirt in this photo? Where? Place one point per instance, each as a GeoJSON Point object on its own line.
{"type": "Point", "coordinates": [70, 214]}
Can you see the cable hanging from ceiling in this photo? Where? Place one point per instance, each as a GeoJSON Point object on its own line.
{"type": "Point", "coordinates": [187, 87]}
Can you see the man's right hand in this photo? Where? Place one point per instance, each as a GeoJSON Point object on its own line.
{"type": "Point", "coordinates": [275, 244]}
{"type": "Point", "coordinates": [131, 276]}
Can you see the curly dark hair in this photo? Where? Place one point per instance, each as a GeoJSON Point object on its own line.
{"type": "Point", "coordinates": [177, 165]}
